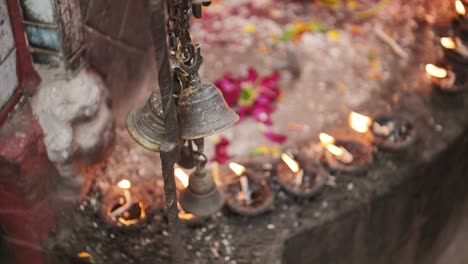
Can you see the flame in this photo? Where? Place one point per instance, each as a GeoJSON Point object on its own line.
{"type": "Point", "coordinates": [184, 215]}
{"type": "Point", "coordinates": [182, 177]}
{"type": "Point", "coordinates": [326, 139]}
{"type": "Point", "coordinates": [460, 7]}
{"type": "Point", "coordinates": [84, 254]}
{"type": "Point", "coordinates": [435, 71]}
{"type": "Point", "coordinates": [292, 164]}
{"type": "Point", "coordinates": [124, 184]}
{"type": "Point", "coordinates": [359, 123]}
{"type": "Point", "coordinates": [448, 43]}
{"type": "Point", "coordinates": [335, 150]}
{"type": "Point", "coordinates": [237, 168]}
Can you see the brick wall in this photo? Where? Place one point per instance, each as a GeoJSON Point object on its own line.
{"type": "Point", "coordinates": [119, 48]}
{"type": "Point", "coordinates": [8, 76]}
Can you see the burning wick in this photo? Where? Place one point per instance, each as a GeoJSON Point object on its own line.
{"type": "Point", "coordinates": [294, 167]}
{"type": "Point", "coordinates": [125, 185]}
{"type": "Point", "coordinates": [460, 8]}
{"type": "Point", "coordinates": [340, 153]}
{"type": "Point", "coordinates": [455, 45]}
{"type": "Point", "coordinates": [361, 124]}
{"type": "Point", "coordinates": [244, 182]}
{"type": "Point", "coordinates": [445, 79]}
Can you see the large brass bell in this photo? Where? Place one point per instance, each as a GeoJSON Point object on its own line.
{"type": "Point", "coordinates": [146, 125]}
{"type": "Point", "coordinates": [202, 108]}
{"type": "Point", "coordinates": [202, 197]}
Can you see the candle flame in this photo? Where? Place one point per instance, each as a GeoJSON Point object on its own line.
{"type": "Point", "coordinates": [182, 177]}
{"type": "Point", "coordinates": [360, 123]}
{"type": "Point", "coordinates": [124, 184]}
{"type": "Point", "coordinates": [237, 168]}
{"type": "Point", "coordinates": [326, 139]}
{"type": "Point", "coordinates": [448, 43]}
{"type": "Point", "coordinates": [292, 164]}
{"type": "Point", "coordinates": [435, 71]}
{"type": "Point", "coordinates": [460, 7]}
{"type": "Point", "coordinates": [335, 150]}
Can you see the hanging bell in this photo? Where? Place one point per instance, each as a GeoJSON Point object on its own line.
{"type": "Point", "coordinates": [147, 127]}
{"type": "Point", "coordinates": [202, 108]}
{"type": "Point", "coordinates": [204, 112]}
{"type": "Point", "coordinates": [202, 197]}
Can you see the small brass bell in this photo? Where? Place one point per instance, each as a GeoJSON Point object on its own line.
{"type": "Point", "coordinates": [201, 197]}
{"type": "Point", "coordinates": [202, 108]}
{"type": "Point", "coordinates": [204, 112]}
{"type": "Point", "coordinates": [146, 125]}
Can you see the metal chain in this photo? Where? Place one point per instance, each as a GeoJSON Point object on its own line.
{"type": "Point", "coordinates": [178, 25]}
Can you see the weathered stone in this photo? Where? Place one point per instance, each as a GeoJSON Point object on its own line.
{"type": "Point", "coordinates": [107, 16]}
{"type": "Point", "coordinates": [7, 42]}
{"type": "Point", "coordinates": [8, 78]}
{"type": "Point", "coordinates": [41, 11]}
{"type": "Point", "coordinates": [136, 29]}
{"type": "Point", "coordinates": [68, 110]}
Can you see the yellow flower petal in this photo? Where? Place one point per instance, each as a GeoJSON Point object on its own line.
{"type": "Point", "coordinates": [250, 28]}
{"type": "Point", "coordinates": [333, 34]}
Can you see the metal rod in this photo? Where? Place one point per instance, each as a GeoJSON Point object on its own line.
{"type": "Point", "coordinates": [170, 152]}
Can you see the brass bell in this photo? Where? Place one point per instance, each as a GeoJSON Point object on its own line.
{"type": "Point", "coordinates": [146, 125]}
{"type": "Point", "coordinates": [202, 197]}
{"type": "Point", "coordinates": [204, 112]}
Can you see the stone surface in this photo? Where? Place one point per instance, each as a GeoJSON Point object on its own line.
{"type": "Point", "coordinates": [68, 111]}
{"type": "Point", "coordinates": [7, 42]}
{"type": "Point", "coordinates": [8, 78]}
{"type": "Point", "coordinates": [26, 177]}
{"type": "Point", "coordinates": [119, 44]}
{"type": "Point", "coordinates": [41, 11]}
{"type": "Point", "coordinates": [107, 16]}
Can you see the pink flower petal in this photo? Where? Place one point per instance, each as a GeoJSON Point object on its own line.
{"type": "Point", "coordinates": [275, 137]}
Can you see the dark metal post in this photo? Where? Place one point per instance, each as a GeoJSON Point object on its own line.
{"type": "Point", "coordinates": [168, 150]}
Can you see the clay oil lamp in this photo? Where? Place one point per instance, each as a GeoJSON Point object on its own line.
{"type": "Point", "coordinates": [181, 184]}
{"type": "Point", "coordinates": [387, 132]}
{"type": "Point", "coordinates": [454, 49]}
{"type": "Point", "coordinates": [247, 193]}
{"type": "Point", "coordinates": [460, 23]}
{"type": "Point", "coordinates": [447, 80]}
{"type": "Point", "coordinates": [126, 211]}
{"type": "Point", "coordinates": [345, 155]}
{"type": "Point", "coordinates": [300, 177]}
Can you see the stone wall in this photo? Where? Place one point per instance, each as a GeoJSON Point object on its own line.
{"type": "Point", "coordinates": [8, 76]}
{"type": "Point", "coordinates": [119, 48]}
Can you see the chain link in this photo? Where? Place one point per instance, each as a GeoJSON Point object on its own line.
{"type": "Point", "coordinates": [178, 26]}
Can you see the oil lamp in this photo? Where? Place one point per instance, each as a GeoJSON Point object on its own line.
{"type": "Point", "coordinates": [126, 211]}
{"type": "Point", "coordinates": [388, 132]}
{"type": "Point", "coordinates": [454, 48]}
{"type": "Point", "coordinates": [299, 176]}
{"type": "Point", "coordinates": [460, 24]}
{"type": "Point", "coordinates": [247, 194]}
{"type": "Point", "coordinates": [345, 155]}
{"type": "Point", "coordinates": [447, 80]}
